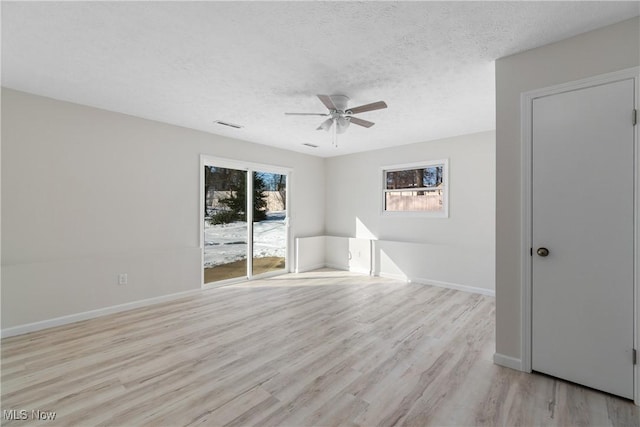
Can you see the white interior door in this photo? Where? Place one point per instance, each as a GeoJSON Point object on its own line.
{"type": "Point", "coordinates": [583, 214]}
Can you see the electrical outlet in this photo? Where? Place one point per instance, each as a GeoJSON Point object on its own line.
{"type": "Point", "coordinates": [122, 279]}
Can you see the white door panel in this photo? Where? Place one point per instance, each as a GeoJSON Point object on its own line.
{"type": "Point", "coordinates": [583, 212]}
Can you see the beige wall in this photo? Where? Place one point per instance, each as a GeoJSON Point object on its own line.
{"type": "Point", "coordinates": [88, 194]}
{"type": "Point", "coordinates": [608, 49]}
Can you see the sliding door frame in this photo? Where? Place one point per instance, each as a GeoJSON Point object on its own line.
{"type": "Point", "coordinates": [250, 168]}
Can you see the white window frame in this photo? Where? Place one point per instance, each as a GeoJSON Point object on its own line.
{"type": "Point", "coordinates": [417, 165]}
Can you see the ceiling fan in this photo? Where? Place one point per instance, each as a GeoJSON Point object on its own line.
{"type": "Point", "coordinates": [340, 116]}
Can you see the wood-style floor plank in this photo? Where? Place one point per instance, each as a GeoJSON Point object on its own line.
{"type": "Point", "coordinates": [313, 349]}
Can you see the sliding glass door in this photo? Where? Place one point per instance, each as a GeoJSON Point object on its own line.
{"type": "Point", "coordinates": [269, 222]}
{"type": "Point", "coordinates": [244, 219]}
{"type": "Point", "coordinates": [225, 224]}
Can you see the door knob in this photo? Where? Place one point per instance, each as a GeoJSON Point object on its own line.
{"type": "Point", "coordinates": [542, 252]}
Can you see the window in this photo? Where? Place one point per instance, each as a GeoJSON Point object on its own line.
{"type": "Point", "coordinates": [417, 188]}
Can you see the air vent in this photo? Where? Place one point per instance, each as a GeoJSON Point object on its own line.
{"type": "Point", "coordinates": [310, 145]}
{"type": "Point", "coordinates": [231, 125]}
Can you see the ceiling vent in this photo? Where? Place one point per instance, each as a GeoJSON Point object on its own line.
{"type": "Point", "coordinates": [231, 125]}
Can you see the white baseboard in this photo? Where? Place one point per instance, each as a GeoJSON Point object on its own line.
{"type": "Point", "coordinates": [337, 267]}
{"type": "Point", "coordinates": [400, 277]}
{"type": "Point", "coordinates": [507, 361]}
{"type": "Point", "coordinates": [72, 318]}
{"type": "Point", "coordinates": [310, 268]}
{"type": "Point", "coordinates": [465, 288]}
{"type": "Point", "coordinates": [360, 271]}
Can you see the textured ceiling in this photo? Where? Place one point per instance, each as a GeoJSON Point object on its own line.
{"type": "Point", "coordinates": [191, 63]}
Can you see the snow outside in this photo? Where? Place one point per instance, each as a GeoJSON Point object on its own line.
{"type": "Point", "coordinates": [227, 243]}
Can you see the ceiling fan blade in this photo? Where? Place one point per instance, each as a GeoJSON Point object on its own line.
{"type": "Point", "coordinates": [360, 122]}
{"type": "Point", "coordinates": [326, 125]}
{"type": "Point", "coordinates": [306, 114]}
{"type": "Point", "coordinates": [326, 100]}
{"type": "Point", "coordinates": [368, 107]}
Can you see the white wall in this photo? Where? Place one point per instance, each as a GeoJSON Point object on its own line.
{"type": "Point", "coordinates": [88, 194]}
{"type": "Point", "coordinates": [310, 252]}
{"type": "Point", "coordinates": [458, 250]}
{"type": "Point", "coordinates": [348, 253]}
{"type": "Point", "coordinates": [608, 49]}
{"type": "Point", "coordinates": [341, 253]}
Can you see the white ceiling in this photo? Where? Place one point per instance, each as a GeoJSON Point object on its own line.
{"type": "Point", "coordinates": [191, 63]}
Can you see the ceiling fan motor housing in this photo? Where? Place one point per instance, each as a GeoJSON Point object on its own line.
{"type": "Point", "coordinates": [340, 101]}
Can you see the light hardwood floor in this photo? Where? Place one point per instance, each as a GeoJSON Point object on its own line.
{"type": "Point", "coordinates": [321, 348]}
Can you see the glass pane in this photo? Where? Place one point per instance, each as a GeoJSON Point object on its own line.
{"type": "Point", "coordinates": [225, 225]}
{"type": "Point", "coordinates": [415, 201]}
{"type": "Point", "coordinates": [269, 222]}
{"type": "Point", "coordinates": [428, 176]}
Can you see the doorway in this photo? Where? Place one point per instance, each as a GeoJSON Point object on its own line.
{"type": "Point", "coordinates": [244, 221]}
{"type": "Point", "coordinates": [582, 234]}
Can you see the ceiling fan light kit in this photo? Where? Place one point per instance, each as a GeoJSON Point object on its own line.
{"type": "Point", "coordinates": [340, 116]}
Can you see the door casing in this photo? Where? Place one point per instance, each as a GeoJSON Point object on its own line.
{"type": "Point", "coordinates": [526, 101]}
